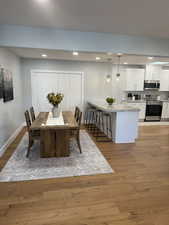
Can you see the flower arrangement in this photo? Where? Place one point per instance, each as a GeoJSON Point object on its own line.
{"type": "Point", "coordinates": [110, 101]}
{"type": "Point", "coordinates": [55, 99]}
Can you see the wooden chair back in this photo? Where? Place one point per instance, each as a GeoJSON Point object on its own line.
{"type": "Point", "coordinates": [79, 119]}
{"type": "Point", "coordinates": [77, 112]}
{"type": "Point", "coordinates": [32, 112]}
{"type": "Point", "coordinates": [28, 120]}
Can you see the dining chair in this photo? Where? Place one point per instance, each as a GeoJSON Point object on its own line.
{"type": "Point", "coordinates": [32, 112]}
{"type": "Point", "coordinates": [77, 111]}
{"type": "Point", "coordinates": [33, 135]}
{"type": "Point", "coordinates": [76, 133]}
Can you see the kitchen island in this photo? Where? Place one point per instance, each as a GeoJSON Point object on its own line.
{"type": "Point", "coordinates": [124, 120]}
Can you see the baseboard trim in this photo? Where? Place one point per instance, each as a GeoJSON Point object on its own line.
{"type": "Point", "coordinates": [166, 119]}
{"type": "Point", "coordinates": [11, 139]}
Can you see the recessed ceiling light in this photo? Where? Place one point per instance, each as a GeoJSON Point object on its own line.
{"type": "Point", "coordinates": [150, 57]}
{"type": "Point", "coordinates": [97, 58]}
{"type": "Point", "coordinates": [125, 63]}
{"type": "Point", "coordinates": [42, 1]}
{"type": "Point", "coordinates": [44, 55]}
{"type": "Point", "coordinates": [75, 53]}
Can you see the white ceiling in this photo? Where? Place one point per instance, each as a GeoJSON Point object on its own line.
{"type": "Point", "coordinates": [84, 56]}
{"type": "Point", "coordinates": [132, 17]}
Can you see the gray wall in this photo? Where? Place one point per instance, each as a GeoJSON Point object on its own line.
{"type": "Point", "coordinates": [11, 113]}
{"type": "Point", "coordinates": [95, 85]}
{"type": "Point", "coordinates": [48, 38]}
{"type": "Point", "coordinates": [95, 73]}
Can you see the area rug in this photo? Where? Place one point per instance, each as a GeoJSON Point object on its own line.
{"type": "Point", "coordinates": [20, 168]}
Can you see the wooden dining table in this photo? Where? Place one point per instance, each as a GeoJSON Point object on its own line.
{"type": "Point", "coordinates": [54, 139]}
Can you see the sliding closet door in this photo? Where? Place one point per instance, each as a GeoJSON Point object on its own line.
{"type": "Point", "coordinates": [70, 84]}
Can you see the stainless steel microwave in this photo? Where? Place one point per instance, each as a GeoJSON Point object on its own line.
{"type": "Point", "coordinates": [151, 84]}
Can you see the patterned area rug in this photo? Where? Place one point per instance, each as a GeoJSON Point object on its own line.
{"type": "Point", "coordinates": [20, 168]}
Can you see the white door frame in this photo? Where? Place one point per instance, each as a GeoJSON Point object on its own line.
{"type": "Point", "coordinates": [33, 73]}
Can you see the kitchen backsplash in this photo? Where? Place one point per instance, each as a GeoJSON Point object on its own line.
{"type": "Point", "coordinates": [163, 95]}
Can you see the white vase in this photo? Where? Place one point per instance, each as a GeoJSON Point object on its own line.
{"type": "Point", "coordinates": [56, 111]}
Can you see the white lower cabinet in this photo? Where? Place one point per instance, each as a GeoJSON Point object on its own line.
{"type": "Point", "coordinates": [142, 107]}
{"type": "Point", "coordinates": [165, 110]}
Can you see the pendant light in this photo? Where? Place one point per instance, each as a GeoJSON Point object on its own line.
{"type": "Point", "coordinates": [108, 77]}
{"type": "Point", "coordinates": [118, 67]}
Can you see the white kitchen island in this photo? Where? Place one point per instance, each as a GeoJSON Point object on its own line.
{"type": "Point", "coordinates": [124, 121]}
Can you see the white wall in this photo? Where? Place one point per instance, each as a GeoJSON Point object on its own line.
{"type": "Point", "coordinates": [94, 80]}
{"type": "Point", "coordinates": [118, 86]}
{"type": "Point", "coordinates": [95, 73]}
{"type": "Point", "coordinates": [95, 85]}
{"type": "Point", "coordinates": [11, 113]}
{"type": "Point", "coordinates": [94, 77]}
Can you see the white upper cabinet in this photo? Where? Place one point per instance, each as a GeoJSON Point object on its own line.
{"type": "Point", "coordinates": [134, 79]}
{"type": "Point", "coordinates": [164, 80]}
{"type": "Point", "coordinates": [152, 72]}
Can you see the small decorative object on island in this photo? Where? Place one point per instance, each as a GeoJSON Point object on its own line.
{"type": "Point", "coordinates": [55, 100]}
{"type": "Point", "coordinates": [110, 101]}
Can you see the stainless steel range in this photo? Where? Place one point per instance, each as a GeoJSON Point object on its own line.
{"type": "Point", "coordinates": [153, 110]}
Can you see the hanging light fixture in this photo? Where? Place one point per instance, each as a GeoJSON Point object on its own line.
{"type": "Point", "coordinates": [109, 77]}
{"type": "Point", "coordinates": [118, 67]}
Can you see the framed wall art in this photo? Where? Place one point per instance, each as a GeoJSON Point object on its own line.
{"type": "Point", "coordinates": [7, 85]}
{"type": "Point", "coordinates": [1, 83]}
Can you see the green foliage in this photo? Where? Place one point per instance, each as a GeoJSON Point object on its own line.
{"type": "Point", "coordinates": [55, 99]}
{"type": "Point", "coordinates": [110, 100]}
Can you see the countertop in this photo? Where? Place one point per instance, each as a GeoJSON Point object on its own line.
{"type": "Point", "coordinates": [134, 101]}
{"type": "Point", "coordinates": [113, 108]}
{"type": "Point", "coordinates": [164, 100]}
{"type": "Point", "coordinates": [140, 101]}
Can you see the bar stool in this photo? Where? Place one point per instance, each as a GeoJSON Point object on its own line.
{"type": "Point", "coordinates": [98, 122]}
{"type": "Point", "coordinates": [106, 125]}
{"type": "Point", "coordinates": [89, 118]}
{"type": "Point", "coordinates": [99, 128]}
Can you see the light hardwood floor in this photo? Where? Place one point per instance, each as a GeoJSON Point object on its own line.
{"type": "Point", "coordinates": [136, 194]}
